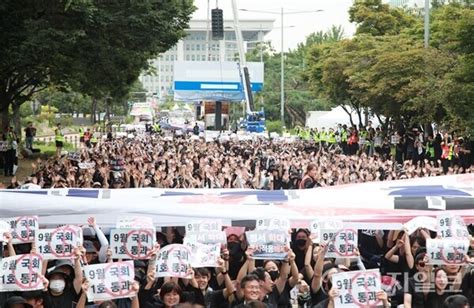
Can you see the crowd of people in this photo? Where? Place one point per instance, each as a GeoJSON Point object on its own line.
{"type": "Point", "coordinates": [322, 158]}
{"type": "Point", "coordinates": [302, 279]}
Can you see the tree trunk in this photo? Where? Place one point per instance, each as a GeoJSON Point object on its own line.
{"type": "Point", "coordinates": [107, 109]}
{"type": "Point", "coordinates": [5, 120]}
{"type": "Point", "coordinates": [359, 115]}
{"type": "Point", "coordinates": [94, 110]}
{"type": "Point", "coordinates": [16, 120]}
{"type": "Point", "coordinates": [349, 113]}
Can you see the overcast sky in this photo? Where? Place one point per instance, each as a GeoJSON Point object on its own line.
{"type": "Point", "coordinates": [335, 12]}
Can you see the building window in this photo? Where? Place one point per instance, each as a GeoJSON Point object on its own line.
{"type": "Point", "coordinates": [193, 58]}
{"type": "Point", "coordinates": [187, 57]}
{"type": "Point", "coordinates": [187, 46]}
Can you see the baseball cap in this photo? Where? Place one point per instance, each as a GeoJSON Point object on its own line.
{"type": "Point", "coordinates": [16, 300]}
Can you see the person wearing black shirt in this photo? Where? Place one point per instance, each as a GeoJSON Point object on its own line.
{"type": "Point", "coordinates": [308, 180]}
{"type": "Point", "coordinates": [436, 299]}
{"type": "Point", "coordinates": [61, 292]}
{"type": "Point", "coordinates": [419, 284]}
{"type": "Point", "coordinates": [251, 290]}
{"type": "Point", "coordinates": [207, 297]}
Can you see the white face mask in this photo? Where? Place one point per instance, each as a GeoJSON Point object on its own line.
{"type": "Point", "coordinates": [57, 285]}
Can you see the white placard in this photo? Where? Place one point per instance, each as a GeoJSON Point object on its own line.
{"type": "Point", "coordinates": [273, 224]}
{"type": "Point", "coordinates": [132, 244]}
{"type": "Point", "coordinates": [21, 273]}
{"type": "Point", "coordinates": [5, 227]}
{"type": "Point", "coordinates": [207, 237]}
{"type": "Point", "coordinates": [134, 222]}
{"type": "Point", "coordinates": [203, 255]}
{"type": "Point", "coordinates": [315, 228]}
{"type": "Point", "coordinates": [58, 243]}
{"type": "Point", "coordinates": [362, 140]}
{"type": "Point", "coordinates": [368, 232]}
{"type": "Point", "coordinates": [451, 226]}
{"type": "Point", "coordinates": [412, 225]}
{"type": "Point", "coordinates": [173, 261]}
{"type": "Point", "coordinates": [110, 280]}
{"type": "Point", "coordinates": [204, 226]}
{"type": "Point", "coordinates": [447, 250]}
{"type": "Point", "coordinates": [357, 288]}
{"type": "Point", "coordinates": [23, 228]}
{"type": "Point", "coordinates": [394, 139]}
{"type": "Point", "coordinates": [342, 243]}
{"type": "Point", "coordinates": [75, 156]}
{"type": "Point", "coordinates": [268, 244]}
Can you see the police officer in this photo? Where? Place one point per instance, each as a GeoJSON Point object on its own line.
{"type": "Point", "coordinates": [59, 139]}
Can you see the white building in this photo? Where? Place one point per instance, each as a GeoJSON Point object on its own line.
{"type": "Point", "coordinates": [194, 47]}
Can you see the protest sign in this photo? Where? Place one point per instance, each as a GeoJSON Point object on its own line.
{"type": "Point", "coordinates": [75, 156]}
{"type": "Point", "coordinates": [451, 226]}
{"type": "Point", "coordinates": [110, 280]}
{"type": "Point", "coordinates": [203, 255]}
{"type": "Point", "coordinates": [204, 226]}
{"type": "Point", "coordinates": [135, 222]}
{"type": "Point", "coordinates": [394, 139]}
{"type": "Point", "coordinates": [132, 243]}
{"type": "Point", "coordinates": [58, 243]}
{"type": "Point", "coordinates": [371, 233]}
{"type": "Point", "coordinates": [357, 288]}
{"type": "Point", "coordinates": [173, 261]}
{"type": "Point", "coordinates": [23, 228]}
{"type": "Point", "coordinates": [447, 250]}
{"type": "Point", "coordinates": [342, 243]}
{"type": "Point", "coordinates": [268, 244]}
{"type": "Point", "coordinates": [86, 165]}
{"type": "Point", "coordinates": [315, 228]}
{"type": "Point", "coordinates": [377, 141]}
{"type": "Point", "coordinates": [213, 237]}
{"type": "Point", "coordinates": [21, 273]}
{"type": "Point", "coordinates": [3, 146]}
{"type": "Point", "coordinates": [362, 140]}
{"type": "Point", "coordinates": [4, 228]}
{"type": "Point", "coordinates": [273, 224]}
{"type": "Point", "coordinates": [412, 225]}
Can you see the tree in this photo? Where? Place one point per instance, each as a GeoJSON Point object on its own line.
{"type": "Point", "coordinates": [95, 47]}
{"type": "Point", "coordinates": [376, 18]}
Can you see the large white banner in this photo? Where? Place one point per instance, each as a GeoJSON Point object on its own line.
{"type": "Point", "coordinates": [382, 205]}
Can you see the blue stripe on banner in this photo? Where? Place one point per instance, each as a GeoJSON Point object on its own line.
{"type": "Point", "coordinates": [214, 86]}
{"type": "Point", "coordinates": [83, 193]}
{"type": "Point", "coordinates": [426, 190]}
{"type": "Point", "coordinates": [25, 191]}
{"type": "Point", "coordinates": [262, 195]}
{"type": "Point", "coordinates": [178, 193]}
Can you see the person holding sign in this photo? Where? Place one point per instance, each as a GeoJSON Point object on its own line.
{"type": "Point", "coordinates": [206, 296]}
{"type": "Point", "coordinates": [132, 302]}
{"type": "Point", "coordinates": [419, 284]}
{"type": "Point", "coordinates": [61, 293]}
{"type": "Point", "coordinates": [401, 255]}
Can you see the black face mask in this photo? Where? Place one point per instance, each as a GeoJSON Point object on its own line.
{"type": "Point", "coordinates": [274, 275]}
{"type": "Point", "coordinates": [301, 242]}
{"type": "Point", "coordinates": [235, 250]}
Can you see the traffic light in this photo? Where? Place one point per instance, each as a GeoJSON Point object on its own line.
{"type": "Point", "coordinates": [217, 24]}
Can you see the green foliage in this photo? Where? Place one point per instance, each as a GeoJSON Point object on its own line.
{"type": "Point", "coordinates": [274, 126]}
{"type": "Point", "coordinates": [386, 68]}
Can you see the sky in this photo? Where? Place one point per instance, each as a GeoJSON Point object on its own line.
{"type": "Point", "coordinates": [335, 12]}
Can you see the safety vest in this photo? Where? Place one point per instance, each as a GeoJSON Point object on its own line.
{"type": "Point", "coordinates": [331, 137]}
{"type": "Point", "coordinates": [450, 155]}
{"type": "Point", "coordinates": [316, 137]}
{"type": "Point", "coordinates": [10, 139]}
{"type": "Point", "coordinates": [81, 133]}
{"type": "Point", "coordinates": [323, 136]}
{"type": "Point", "coordinates": [93, 138]}
{"type": "Point", "coordinates": [343, 136]}
{"type": "Point", "coordinates": [430, 148]}
{"type": "Point", "coordinates": [59, 137]}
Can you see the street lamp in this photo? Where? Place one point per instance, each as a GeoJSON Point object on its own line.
{"type": "Point", "coordinates": [282, 64]}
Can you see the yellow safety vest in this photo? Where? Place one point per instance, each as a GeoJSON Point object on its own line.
{"type": "Point", "coordinates": [59, 135]}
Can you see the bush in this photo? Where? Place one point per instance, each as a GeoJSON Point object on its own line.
{"type": "Point", "coordinates": [274, 126]}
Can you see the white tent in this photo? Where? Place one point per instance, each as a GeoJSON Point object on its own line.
{"type": "Point", "coordinates": [320, 119]}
